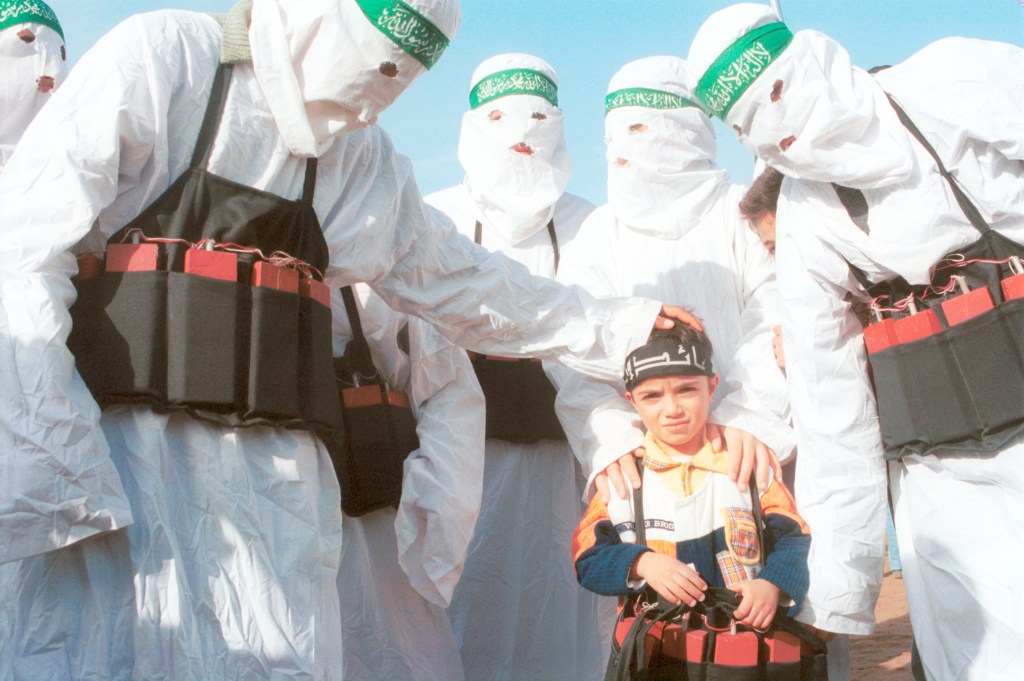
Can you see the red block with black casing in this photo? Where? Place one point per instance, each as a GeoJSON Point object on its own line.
{"type": "Point", "coordinates": [880, 335]}
{"type": "Point", "coordinates": [738, 650]}
{"type": "Point", "coordinates": [271, 276]}
{"type": "Point", "coordinates": [1013, 287]}
{"type": "Point", "coordinates": [213, 264]}
{"type": "Point", "coordinates": [133, 257]}
{"type": "Point", "coordinates": [967, 305]}
{"type": "Point", "coordinates": [917, 326]}
{"type": "Point", "coordinates": [783, 647]}
{"type": "Point", "coordinates": [316, 290]}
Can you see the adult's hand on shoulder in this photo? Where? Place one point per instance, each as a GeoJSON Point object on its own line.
{"type": "Point", "coordinates": [745, 453]}
{"type": "Point", "coordinates": [621, 474]}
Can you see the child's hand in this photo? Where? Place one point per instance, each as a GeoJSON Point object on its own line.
{"type": "Point", "coordinates": [674, 581]}
{"type": "Point", "coordinates": [760, 599]}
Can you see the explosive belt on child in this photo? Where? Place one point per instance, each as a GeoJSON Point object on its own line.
{"type": "Point", "coordinates": [379, 426]}
{"type": "Point", "coordinates": [658, 641]}
{"type": "Point", "coordinates": [956, 383]}
{"type": "Point", "coordinates": [212, 332]}
{"type": "Point", "coordinates": [519, 397]}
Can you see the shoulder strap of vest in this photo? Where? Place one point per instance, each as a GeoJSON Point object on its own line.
{"type": "Point", "coordinates": [360, 349]}
{"type": "Point", "coordinates": [554, 240]}
{"type": "Point", "coordinates": [969, 209]}
{"type": "Point", "coordinates": [211, 122]}
{"type": "Point", "coordinates": [211, 119]}
{"type": "Point", "coordinates": [638, 515]}
{"type": "Point", "coordinates": [855, 204]}
{"type": "Point", "coordinates": [478, 232]}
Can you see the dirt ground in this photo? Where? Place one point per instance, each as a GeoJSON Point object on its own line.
{"type": "Point", "coordinates": [885, 655]}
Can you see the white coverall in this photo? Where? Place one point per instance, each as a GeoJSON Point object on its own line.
{"type": "Point", "coordinates": [958, 516]}
{"type": "Point", "coordinates": [519, 612]}
{"type": "Point", "coordinates": [230, 566]}
{"type": "Point", "coordinates": [399, 568]}
{"type": "Point", "coordinates": [672, 230]}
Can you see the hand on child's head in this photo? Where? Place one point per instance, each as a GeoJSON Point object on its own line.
{"type": "Point", "coordinates": [674, 581]}
{"type": "Point", "coordinates": [759, 599]}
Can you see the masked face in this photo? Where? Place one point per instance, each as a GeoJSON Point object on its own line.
{"type": "Point", "coordinates": [327, 68]}
{"type": "Point", "coordinates": [814, 116]}
{"type": "Point", "coordinates": [32, 65]}
{"type": "Point", "coordinates": [517, 165]}
{"type": "Point", "coordinates": [661, 171]}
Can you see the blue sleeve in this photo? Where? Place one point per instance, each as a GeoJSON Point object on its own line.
{"type": "Point", "coordinates": [604, 567]}
{"type": "Point", "coordinates": [786, 566]}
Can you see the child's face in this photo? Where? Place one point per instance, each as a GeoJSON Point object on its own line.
{"type": "Point", "coordinates": [674, 409]}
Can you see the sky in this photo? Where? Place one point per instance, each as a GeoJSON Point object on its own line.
{"type": "Point", "coordinates": [587, 41]}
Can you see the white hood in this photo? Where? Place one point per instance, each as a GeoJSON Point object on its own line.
{"type": "Point", "coordinates": [321, 63]}
{"type": "Point", "coordinates": [32, 65]}
{"type": "Point", "coordinates": [512, 145]}
{"type": "Point", "coordinates": [662, 177]}
{"type": "Point", "coordinates": [797, 101]}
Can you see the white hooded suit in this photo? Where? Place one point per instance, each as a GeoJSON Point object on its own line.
{"type": "Point", "coordinates": [229, 562]}
{"type": "Point", "coordinates": [672, 230]}
{"type": "Point", "coordinates": [807, 111]}
{"type": "Point", "coordinates": [400, 567]}
{"type": "Point", "coordinates": [518, 612]}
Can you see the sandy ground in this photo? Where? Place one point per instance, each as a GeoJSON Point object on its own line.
{"type": "Point", "coordinates": [885, 655]}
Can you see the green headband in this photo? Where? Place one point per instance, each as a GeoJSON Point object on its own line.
{"type": "Point", "coordinates": [15, 12]}
{"type": "Point", "coordinates": [513, 82]}
{"type": "Point", "coordinates": [739, 65]}
{"type": "Point", "coordinates": [645, 97]}
{"type": "Point", "coordinates": [407, 28]}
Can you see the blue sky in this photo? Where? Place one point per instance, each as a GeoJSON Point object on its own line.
{"type": "Point", "coordinates": [587, 41]}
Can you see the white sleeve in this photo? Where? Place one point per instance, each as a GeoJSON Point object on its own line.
{"type": "Point", "coordinates": [91, 144]}
{"type": "Point", "coordinates": [841, 482]}
{"type": "Point", "coordinates": [754, 394]}
{"type": "Point", "coordinates": [412, 255]}
{"type": "Point", "coordinates": [443, 479]}
{"type": "Point", "coordinates": [600, 423]}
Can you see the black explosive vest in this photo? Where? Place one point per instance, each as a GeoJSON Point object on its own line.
{"type": "Point", "coordinates": [948, 373]}
{"type": "Point", "coordinates": [231, 350]}
{"type": "Point", "coordinates": [520, 399]}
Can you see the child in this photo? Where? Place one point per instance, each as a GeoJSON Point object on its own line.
{"type": "Point", "coordinates": [700, 527]}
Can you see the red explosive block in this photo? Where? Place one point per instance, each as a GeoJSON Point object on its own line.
{"type": "Point", "coordinates": [917, 326]}
{"type": "Point", "coordinates": [317, 290]}
{"type": "Point", "coordinates": [212, 264]}
{"type": "Point", "coordinates": [967, 305]}
{"type": "Point", "coordinates": [880, 335]}
{"type": "Point", "coordinates": [736, 649]}
{"type": "Point", "coordinates": [89, 266]}
{"type": "Point", "coordinates": [783, 647]}
{"type": "Point", "coordinates": [652, 640]}
{"type": "Point", "coordinates": [272, 276]}
{"type": "Point", "coordinates": [1013, 287]}
{"type": "Point", "coordinates": [132, 257]}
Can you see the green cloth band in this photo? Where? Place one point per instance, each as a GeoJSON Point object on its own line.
{"type": "Point", "coordinates": [646, 97]}
{"type": "Point", "coordinates": [409, 29]}
{"type": "Point", "coordinates": [513, 82]}
{"type": "Point", "coordinates": [14, 12]}
{"type": "Point", "coordinates": [739, 65]}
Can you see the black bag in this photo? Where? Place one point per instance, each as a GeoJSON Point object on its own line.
{"type": "Point", "coordinates": [657, 641]}
{"type": "Point", "coordinates": [380, 428]}
{"type": "Point", "coordinates": [519, 397]}
{"type": "Point", "coordinates": [958, 388]}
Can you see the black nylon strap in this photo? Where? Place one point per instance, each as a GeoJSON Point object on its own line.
{"type": "Point", "coordinates": [968, 207]}
{"type": "Point", "coordinates": [309, 182]}
{"type": "Point", "coordinates": [638, 515]}
{"type": "Point", "coordinates": [211, 120]}
{"type": "Point", "coordinates": [478, 233]}
{"type": "Point", "coordinates": [361, 356]}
